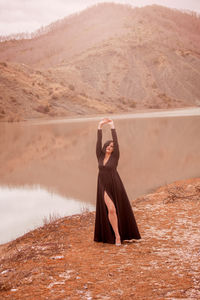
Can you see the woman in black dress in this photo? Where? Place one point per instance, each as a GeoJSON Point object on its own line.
{"type": "Point", "coordinates": [114, 221]}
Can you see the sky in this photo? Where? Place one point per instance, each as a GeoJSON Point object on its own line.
{"type": "Point", "coordinates": [29, 15]}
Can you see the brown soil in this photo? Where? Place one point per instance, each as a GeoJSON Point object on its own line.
{"type": "Point", "coordinates": [61, 261]}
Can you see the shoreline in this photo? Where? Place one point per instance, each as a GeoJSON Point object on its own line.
{"type": "Point", "coordinates": [139, 113]}
{"type": "Point", "coordinates": [60, 260]}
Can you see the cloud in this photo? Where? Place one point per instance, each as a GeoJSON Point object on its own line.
{"type": "Point", "coordinates": [179, 4]}
{"type": "Point", "coordinates": [28, 16]}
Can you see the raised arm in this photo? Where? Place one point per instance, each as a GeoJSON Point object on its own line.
{"type": "Point", "coordinates": [99, 137]}
{"type": "Point", "coordinates": [114, 136]}
{"type": "Point", "coordinates": [115, 141]}
{"type": "Point", "coordinates": [99, 143]}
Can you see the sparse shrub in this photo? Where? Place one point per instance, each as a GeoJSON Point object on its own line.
{"type": "Point", "coordinates": [154, 106]}
{"type": "Point", "coordinates": [26, 91]}
{"type": "Point", "coordinates": [14, 118]}
{"type": "Point", "coordinates": [52, 114]}
{"type": "Point", "coordinates": [132, 104]}
{"type": "Point", "coordinates": [71, 87]}
{"type": "Point", "coordinates": [154, 85]}
{"type": "Point", "coordinates": [11, 118]}
{"type": "Point", "coordinates": [122, 100]}
{"type": "Point", "coordinates": [40, 84]}
{"type": "Point", "coordinates": [44, 109]}
{"type": "Point", "coordinates": [2, 111]}
{"type": "Point", "coordinates": [50, 91]}
{"type": "Point", "coordinates": [161, 95]}
{"type": "Point", "coordinates": [83, 94]}
{"type": "Point", "coordinates": [3, 64]}
{"type": "Point", "coordinates": [52, 218]}
{"type": "Point", "coordinates": [84, 210]}
{"type": "Point", "coordinates": [5, 286]}
{"type": "Point", "coordinates": [13, 99]}
{"type": "Point", "coordinates": [54, 97]}
{"type": "Point", "coordinates": [119, 105]}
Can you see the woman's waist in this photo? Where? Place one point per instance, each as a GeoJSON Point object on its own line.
{"type": "Point", "coordinates": [107, 169]}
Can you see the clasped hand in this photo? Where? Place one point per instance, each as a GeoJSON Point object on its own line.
{"type": "Point", "coordinates": [106, 121]}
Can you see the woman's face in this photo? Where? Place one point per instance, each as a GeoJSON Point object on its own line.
{"type": "Point", "coordinates": [110, 148]}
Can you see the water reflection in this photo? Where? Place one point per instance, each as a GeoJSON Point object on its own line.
{"type": "Point", "coordinates": [155, 149]}
{"type": "Point", "coordinates": [23, 209]}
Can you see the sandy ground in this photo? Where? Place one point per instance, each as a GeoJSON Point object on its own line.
{"type": "Point", "coordinates": [61, 261]}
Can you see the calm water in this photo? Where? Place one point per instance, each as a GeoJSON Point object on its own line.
{"type": "Point", "coordinates": [156, 148]}
{"type": "Point", "coordinates": [23, 209]}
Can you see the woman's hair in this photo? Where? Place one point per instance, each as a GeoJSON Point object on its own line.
{"type": "Point", "coordinates": [106, 144]}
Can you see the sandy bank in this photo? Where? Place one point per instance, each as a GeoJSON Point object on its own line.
{"type": "Point", "coordinates": [61, 261]}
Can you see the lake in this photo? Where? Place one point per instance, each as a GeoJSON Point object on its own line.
{"type": "Point", "coordinates": [23, 209]}
{"type": "Point", "coordinates": [44, 158]}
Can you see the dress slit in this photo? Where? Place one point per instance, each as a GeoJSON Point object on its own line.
{"type": "Point", "coordinates": [110, 200]}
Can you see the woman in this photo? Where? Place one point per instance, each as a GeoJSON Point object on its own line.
{"type": "Point", "coordinates": [114, 220]}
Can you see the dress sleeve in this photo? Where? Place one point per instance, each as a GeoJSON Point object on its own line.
{"type": "Point", "coordinates": [99, 143]}
{"type": "Point", "coordinates": [116, 145]}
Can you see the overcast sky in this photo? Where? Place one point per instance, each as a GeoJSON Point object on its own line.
{"type": "Point", "coordinates": [29, 15]}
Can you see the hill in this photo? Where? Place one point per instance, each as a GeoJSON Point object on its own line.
{"type": "Point", "coordinates": [108, 58]}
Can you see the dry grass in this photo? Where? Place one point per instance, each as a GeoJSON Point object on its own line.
{"type": "Point", "coordinates": [61, 261]}
{"type": "Point", "coordinates": [52, 218]}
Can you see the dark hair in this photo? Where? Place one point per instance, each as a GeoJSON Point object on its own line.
{"type": "Point", "coordinates": [106, 144]}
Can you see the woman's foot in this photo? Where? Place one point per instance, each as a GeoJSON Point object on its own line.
{"type": "Point", "coordinates": [118, 241]}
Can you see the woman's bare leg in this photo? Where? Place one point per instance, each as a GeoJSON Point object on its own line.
{"type": "Point", "coordinates": [112, 216]}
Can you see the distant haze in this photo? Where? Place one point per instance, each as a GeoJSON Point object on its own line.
{"type": "Point", "coordinates": [28, 16]}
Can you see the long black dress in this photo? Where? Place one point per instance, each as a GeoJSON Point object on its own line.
{"type": "Point", "coordinates": [110, 181]}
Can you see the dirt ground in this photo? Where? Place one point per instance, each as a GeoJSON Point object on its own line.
{"type": "Point", "coordinates": [61, 261]}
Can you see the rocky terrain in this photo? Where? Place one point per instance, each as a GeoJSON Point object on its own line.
{"type": "Point", "coordinates": [109, 58]}
{"type": "Point", "coordinates": [61, 261]}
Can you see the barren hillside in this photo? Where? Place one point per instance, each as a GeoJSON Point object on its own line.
{"type": "Point", "coordinates": [109, 58]}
